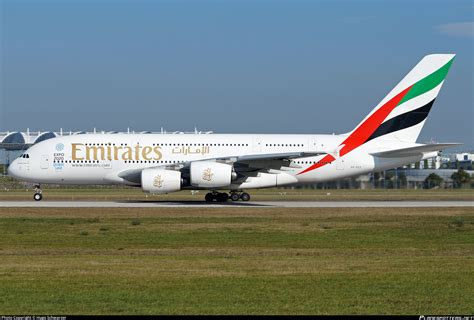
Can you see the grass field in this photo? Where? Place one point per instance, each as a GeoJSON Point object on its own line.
{"type": "Point", "coordinates": [107, 194]}
{"type": "Point", "coordinates": [237, 261]}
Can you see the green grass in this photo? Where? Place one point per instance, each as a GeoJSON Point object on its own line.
{"type": "Point", "coordinates": [237, 261]}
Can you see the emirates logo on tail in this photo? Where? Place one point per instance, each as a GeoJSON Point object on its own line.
{"type": "Point", "coordinates": [207, 174]}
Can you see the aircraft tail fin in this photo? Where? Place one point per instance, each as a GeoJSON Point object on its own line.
{"type": "Point", "coordinates": [402, 113]}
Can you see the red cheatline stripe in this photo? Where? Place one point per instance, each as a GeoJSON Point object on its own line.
{"type": "Point", "coordinates": [327, 159]}
{"type": "Point", "coordinates": [365, 130]}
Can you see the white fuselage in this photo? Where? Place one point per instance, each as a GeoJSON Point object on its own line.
{"type": "Point", "coordinates": [103, 158]}
{"type": "Point", "coordinates": [162, 163]}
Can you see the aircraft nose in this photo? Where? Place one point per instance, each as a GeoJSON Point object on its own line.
{"type": "Point", "coordinates": [13, 169]}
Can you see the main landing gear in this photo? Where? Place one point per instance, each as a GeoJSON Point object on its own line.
{"type": "Point", "coordinates": [38, 193]}
{"type": "Point", "coordinates": [223, 196]}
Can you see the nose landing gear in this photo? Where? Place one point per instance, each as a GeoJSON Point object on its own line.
{"type": "Point", "coordinates": [38, 193]}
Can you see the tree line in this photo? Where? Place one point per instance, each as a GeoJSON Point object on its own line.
{"type": "Point", "coordinates": [460, 179]}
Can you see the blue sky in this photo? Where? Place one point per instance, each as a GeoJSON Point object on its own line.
{"type": "Point", "coordinates": [227, 66]}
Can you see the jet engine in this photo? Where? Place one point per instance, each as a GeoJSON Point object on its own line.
{"type": "Point", "coordinates": [161, 180]}
{"type": "Point", "coordinates": [208, 174]}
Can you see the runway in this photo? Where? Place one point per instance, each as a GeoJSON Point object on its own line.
{"type": "Point", "coordinates": [253, 204]}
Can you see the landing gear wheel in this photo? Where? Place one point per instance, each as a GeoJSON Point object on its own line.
{"type": "Point", "coordinates": [234, 196]}
{"type": "Point", "coordinates": [222, 197]}
{"type": "Point", "coordinates": [245, 196]}
{"type": "Point", "coordinates": [38, 196]}
{"type": "Point", "coordinates": [209, 197]}
{"type": "Point", "coordinates": [38, 193]}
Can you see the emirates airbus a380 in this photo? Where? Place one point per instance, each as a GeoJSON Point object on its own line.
{"type": "Point", "coordinates": [164, 163]}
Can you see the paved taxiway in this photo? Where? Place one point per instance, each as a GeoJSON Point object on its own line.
{"type": "Point", "coordinates": [253, 204]}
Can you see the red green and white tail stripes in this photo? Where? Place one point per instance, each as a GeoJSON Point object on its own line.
{"type": "Point", "coordinates": [407, 105]}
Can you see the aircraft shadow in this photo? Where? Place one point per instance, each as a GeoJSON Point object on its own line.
{"type": "Point", "coordinates": [197, 203]}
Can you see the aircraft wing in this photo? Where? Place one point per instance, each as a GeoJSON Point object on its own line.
{"type": "Point", "coordinates": [255, 162]}
{"type": "Point", "coordinates": [245, 163]}
{"type": "Point", "coordinates": [271, 156]}
{"type": "Point", "coordinates": [414, 151]}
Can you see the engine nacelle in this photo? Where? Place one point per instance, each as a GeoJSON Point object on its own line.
{"type": "Point", "coordinates": [161, 180]}
{"type": "Point", "coordinates": [207, 174]}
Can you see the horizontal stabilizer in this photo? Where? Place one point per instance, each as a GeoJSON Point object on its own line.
{"type": "Point", "coordinates": [414, 151]}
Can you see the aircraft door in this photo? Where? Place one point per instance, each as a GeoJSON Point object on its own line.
{"type": "Point", "coordinates": [339, 160]}
{"type": "Point", "coordinates": [44, 163]}
{"type": "Point", "coordinates": [339, 163]}
{"type": "Point", "coordinates": [256, 144]}
{"type": "Point", "coordinates": [109, 154]}
{"type": "Point", "coordinates": [312, 144]}
{"type": "Point", "coordinates": [107, 164]}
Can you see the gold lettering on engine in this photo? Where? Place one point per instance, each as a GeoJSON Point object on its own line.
{"type": "Point", "coordinates": [158, 182]}
{"type": "Point", "coordinates": [207, 174]}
